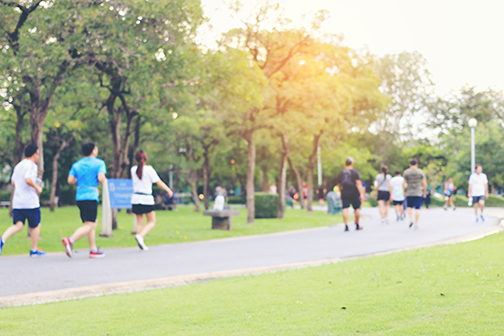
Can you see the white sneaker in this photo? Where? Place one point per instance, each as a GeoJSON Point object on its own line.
{"type": "Point", "coordinates": [386, 221]}
{"type": "Point", "coordinates": [140, 241]}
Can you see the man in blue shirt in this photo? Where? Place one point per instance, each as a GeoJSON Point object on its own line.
{"type": "Point", "coordinates": [86, 174]}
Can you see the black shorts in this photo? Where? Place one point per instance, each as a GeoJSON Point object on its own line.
{"type": "Point", "coordinates": [383, 195]}
{"type": "Point", "coordinates": [32, 215]}
{"type": "Point", "coordinates": [398, 202]}
{"type": "Point", "coordinates": [88, 210]}
{"type": "Point", "coordinates": [351, 199]}
{"type": "Point", "coordinates": [140, 209]}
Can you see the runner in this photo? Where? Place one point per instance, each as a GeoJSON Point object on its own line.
{"type": "Point", "coordinates": [449, 189]}
{"type": "Point", "coordinates": [25, 203]}
{"type": "Point", "coordinates": [352, 192]}
{"type": "Point", "coordinates": [478, 190]}
{"type": "Point", "coordinates": [415, 185]}
{"type": "Point", "coordinates": [142, 200]}
{"type": "Point", "coordinates": [86, 174]}
{"type": "Point", "coordinates": [382, 184]}
{"type": "Point", "coordinates": [397, 192]}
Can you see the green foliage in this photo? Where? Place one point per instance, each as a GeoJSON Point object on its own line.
{"type": "Point", "coordinates": [372, 201]}
{"type": "Point", "coordinates": [235, 200]}
{"type": "Point", "coordinates": [5, 195]}
{"type": "Point", "coordinates": [266, 205]}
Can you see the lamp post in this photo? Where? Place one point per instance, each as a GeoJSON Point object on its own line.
{"type": "Point", "coordinates": [473, 123]}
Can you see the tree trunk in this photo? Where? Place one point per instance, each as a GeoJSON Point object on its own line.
{"type": "Point", "coordinates": [37, 120]}
{"type": "Point", "coordinates": [249, 136]}
{"type": "Point", "coordinates": [64, 144]}
{"type": "Point", "coordinates": [18, 149]}
{"type": "Point", "coordinates": [206, 177]}
{"type": "Point", "coordinates": [298, 180]}
{"type": "Point", "coordinates": [192, 179]}
{"type": "Point", "coordinates": [264, 179]}
{"type": "Point", "coordinates": [283, 177]}
{"type": "Point", "coordinates": [134, 147]}
{"type": "Point", "coordinates": [311, 166]}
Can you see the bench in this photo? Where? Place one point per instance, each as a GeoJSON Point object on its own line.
{"type": "Point", "coordinates": [4, 204]}
{"type": "Point", "coordinates": [221, 219]}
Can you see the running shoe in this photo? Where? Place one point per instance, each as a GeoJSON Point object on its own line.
{"type": "Point", "coordinates": [1, 245]}
{"type": "Point", "coordinates": [140, 241]}
{"type": "Point", "coordinates": [346, 228]}
{"type": "Point", "coordinates": [68, 247]}
{"type": "Point", "coordinates": [482, 218]}
{"type": "Point", "coordinates": [445, 208]}
{"type": "Point", "coordinates": [358, 227]}
{"type": "Point", "coordinates": [96, 254]}
{"type": "Point", "coordinates": [397, 219]}
{"type": "Point", "coordinates": [477, 219]}
{"type": "Point", "coordinates": [37, 253]}
{"type": "Point", "coordinates": [453, 208]}
{"type": "Point", "coordinates": [411, 224]}
{"type": "Point", "coordinates": [386, 221]}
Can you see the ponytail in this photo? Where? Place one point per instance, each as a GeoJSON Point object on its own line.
{"type": "Point", "coordinates": [384, 171]}
{"type": "Point", "coordinates": [141, 158]}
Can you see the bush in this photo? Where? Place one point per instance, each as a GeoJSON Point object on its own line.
{"type": "Point", "coordinates": [266, 205]}
{"type": "Point", "coordinates": [235, 200]}
{"type": "Point", "coordinates": [372, 201]}
{"type": "Point", "coordinates": [5, 195]}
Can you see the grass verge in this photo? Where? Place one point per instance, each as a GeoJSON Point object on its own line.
{"type": "Point", "coordinates": [444, 290]}
{"type": "Point", "coordinates": [172, 227]}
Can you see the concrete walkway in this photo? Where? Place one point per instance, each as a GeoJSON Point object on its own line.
{"type": "Point", "coordinates": [22, 276]}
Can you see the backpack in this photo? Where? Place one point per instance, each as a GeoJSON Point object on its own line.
{"type": "Point", "coordinates": [346, 180]}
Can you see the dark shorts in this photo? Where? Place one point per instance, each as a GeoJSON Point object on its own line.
{"type": "Point", "coordinates": [398, 202]}
{"type": "Point", "coordinates": [351, 199]}
{"type": "Point", "coordinates": [32, 215]}
{"type": "Point", "coordinates": [414, 201]}
{"type": "Point", "coordinates": [140, 209]}
{"type": "Point", "coordinates": [88, 210]}
{"type": "Point", "coordinates": [383, 195]}
{"type": "Point", "coordinates": [477, 199]}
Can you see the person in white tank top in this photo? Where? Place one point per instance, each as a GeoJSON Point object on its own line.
{"type": "Point", "coordinates": [142, 201]}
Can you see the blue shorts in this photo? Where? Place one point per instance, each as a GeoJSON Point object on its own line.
{"type": "Point", "coordinates": [477, 199]}
{"type": "Point", "coordinates": [32, 215]}
{"type": "Point", "coordinates": [414, 201]}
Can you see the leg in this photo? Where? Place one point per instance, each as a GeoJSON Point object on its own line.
{"type": "Point", "coordinates": [482, 206]}
{"type": "Point", "coordinates": [387, 207]}
{"type": "Point", "coordinates": [151, 222]}
{"type": "Point", "coordinates": [410, 213]}
{"type": "Point", "coordinates": [417, 216]}
{"type": "Point", "coordinates": [382, 209]}
{"type": "Point", "coordinates": [12, 230]}
{"type": "Point", "coordinates": [140, 223]}
{"type": "Point", "coordinates": [476, 209]}
{"type": "Point", "coordinates": [357, 216]}
{"type": "Point", "coordinates": [83, 231]}
{"type": "Point", "coordinates": [35, 234]}
{"type": "Point", "coordinates": [91, 236]}
{"type": "Point", "coordinates": [397, 211]}
{"type": "Point", "coordinates": [345, 215]}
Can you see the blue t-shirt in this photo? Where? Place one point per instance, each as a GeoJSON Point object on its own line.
{"type": "Point", "coordinates": [86, 172]}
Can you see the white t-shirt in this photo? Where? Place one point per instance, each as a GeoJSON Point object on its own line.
{"type": "Point", "coordinates": [397, 184]}
{"type": "Point", "coordinates": [142, 188]}
{"type": "Point", "coordinates": [25, 196]}
{"type": "Point", "coordinates": [477, 183]}
{"type": "Point", "coordinates": [382, 182]}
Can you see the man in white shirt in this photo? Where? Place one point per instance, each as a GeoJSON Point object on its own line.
{"type": "Point", "coordinates": [478, 190]}
{"type": "Point", "coordinates": [25, 203]}
{"type": "Point", "coordinates": [396, 186]}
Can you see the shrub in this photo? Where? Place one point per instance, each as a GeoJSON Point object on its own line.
{"type": "Point", "coordinates": [235, 200]}
{"type": "Point", "coordinates": [266, 205]}
{"type": "Point", "coordinates": [372, 201]}
{"type": "Point", "coordinates": [5, 195]}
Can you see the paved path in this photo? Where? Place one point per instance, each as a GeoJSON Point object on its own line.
{"type": "Point", "coordinates": [21, 274]}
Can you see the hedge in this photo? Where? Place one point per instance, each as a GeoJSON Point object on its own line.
{"type": "Point", "coordinates": [266, 205]}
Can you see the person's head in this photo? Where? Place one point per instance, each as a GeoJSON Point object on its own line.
{"type": "Point", "coordinates": [397, 173]}
{"type": "Point", "coordinates": [478, 169]}
{"type": "Point", "coordinates": [450, 180]}
{"type": "Point", "coordinates": [89, 149]}
{"type": "Point", "coordinates": [384, 170]}
{"type": "Point", "coordinates": [349, 162]}
{"type": "Point", "coordinates": [31, 152]}
{"type": "Point", "coordinates": [413, 163]}
{"type": "Point", "coordinates": [141, 158]}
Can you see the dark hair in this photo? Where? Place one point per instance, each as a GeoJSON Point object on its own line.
{"type": "Point", "coordinates": [141, 158]}
{"type": "Point", "coordinates": [397, 172]}
{"type": "Point", "coordinates": [87, 148]}
{"type": "Point", "coordinates": [384, 171]}
{"type": "Point", "coordinates": [30, 150]}
{"type": "Point", "coordinates": [413, 162]}
{"type": "Point", "coordinates": [349, 161]}
{"type": "Point", "coordinates": [477, 166]}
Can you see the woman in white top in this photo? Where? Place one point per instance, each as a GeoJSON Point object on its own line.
{"type": "Point", "coordinates": [382, 185]}
{"type": "Point", "coordinates": [142, 201]}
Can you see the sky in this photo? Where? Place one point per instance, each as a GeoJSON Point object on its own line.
{"type": "Point", "coordinates": [461, 40]}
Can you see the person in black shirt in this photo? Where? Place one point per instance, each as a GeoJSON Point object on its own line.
{"type": "Point", "coordinates": [352, 191]}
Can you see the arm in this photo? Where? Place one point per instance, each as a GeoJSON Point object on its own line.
{"type": "Point", "coordinates": [469, 191]}
{"type": "Point", "coordinates": [405, 184]}
{"type": "Point", "coordinates": [72, 180]}
{"type": "Point", "coordinates": [391, 190]}
{"type": "Point", "coordinates": [424, 186]}
{"type": "Point", "coordinates": [101, 178]}
{"type": "Point", "coordinates": [32, 184]}
{"type": "Point", "coordinates": [163, 186]}
{"type": "Point", "coordinates": [361, 189]}
{"type": "Point", "coordinates": [486, 190]}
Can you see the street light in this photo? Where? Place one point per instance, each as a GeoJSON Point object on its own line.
{"type": "Point", "coordinates": [473, 123]}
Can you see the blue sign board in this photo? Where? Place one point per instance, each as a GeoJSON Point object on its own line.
{"type": "Point", "coordinates": [120, 192]}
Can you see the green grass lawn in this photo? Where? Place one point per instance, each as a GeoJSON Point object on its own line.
{"type": "Point", "coordinates": [445, 290]}
{"type": "Point", "coordinates": [172, 227]}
